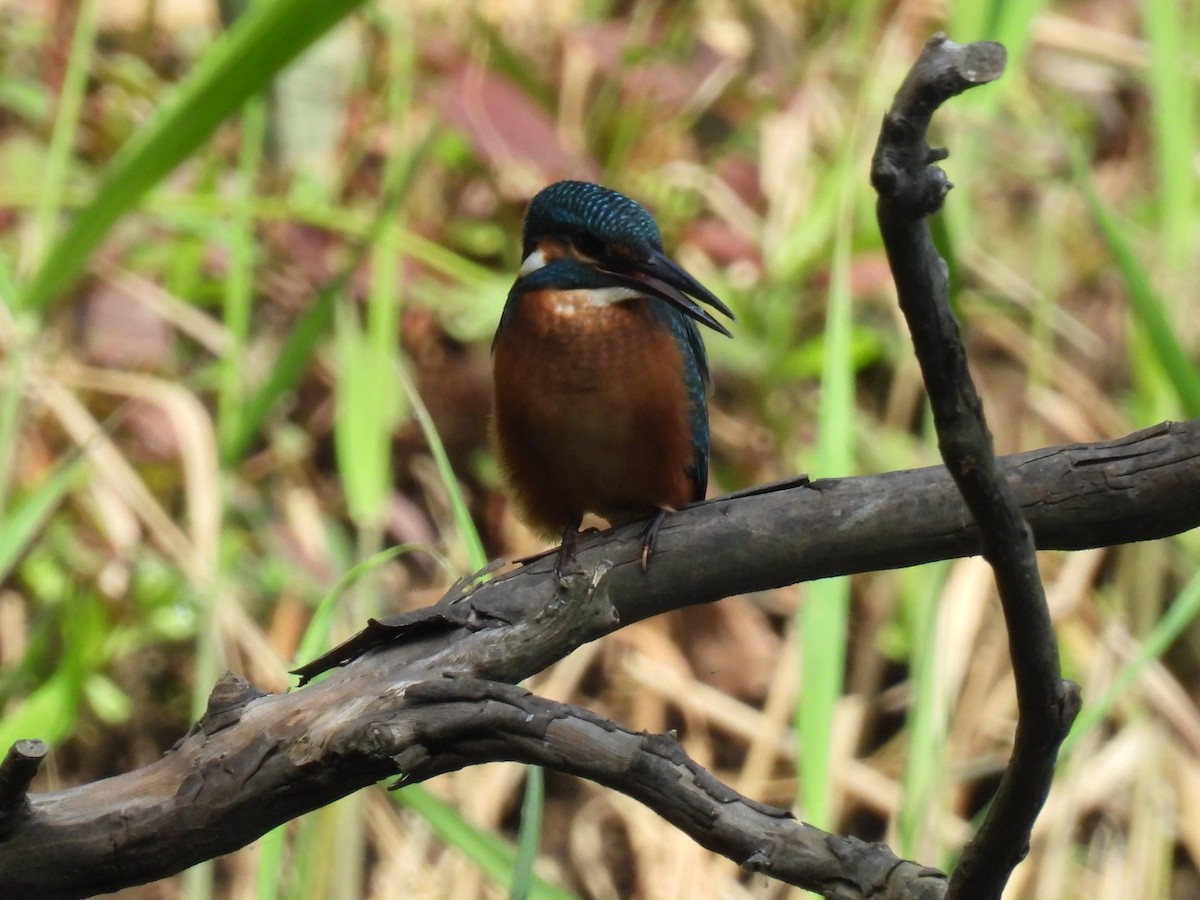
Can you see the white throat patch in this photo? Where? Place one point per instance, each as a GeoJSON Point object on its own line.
{"type": "Point", "coordinates": [607, 295]}
{"type": "Point", "coordinates": [570, 303]}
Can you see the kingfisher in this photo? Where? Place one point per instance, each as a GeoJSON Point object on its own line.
{"type": "Point", "coordinates": [600, 372]}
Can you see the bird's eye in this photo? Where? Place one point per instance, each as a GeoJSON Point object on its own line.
{"type": "Point", "coordinates": [588, 245]}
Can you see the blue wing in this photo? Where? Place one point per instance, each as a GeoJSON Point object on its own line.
{"type": "Point", "coordinates": [695, 363]}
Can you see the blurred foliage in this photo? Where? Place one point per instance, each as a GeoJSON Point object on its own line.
{"type": "Point", "coordinates": [245, 324]}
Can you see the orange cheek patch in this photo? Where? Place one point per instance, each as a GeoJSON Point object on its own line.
{"type": "Point", "coordinates": [552, 249]}
{"type": "Point", "coordinates": [546, 251]}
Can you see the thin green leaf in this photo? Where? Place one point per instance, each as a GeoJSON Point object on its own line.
{"type": "Point", "coordinates": [489, 851]}
{"type": "Point", "coordinates": [927, 721]}
{"type": "Point", "coordinates": [458, 504]}
{"type": "Point", "coordinates": [50, 712]}
{"type": "Point", "coordinates": [47, 714]}
{"type": "Point", "coordinates": [238, 299]}
{"type": "Point", "coordinates": [239, 65]}
{"type": "Point", "coordinates": [531, 833]}
{"type": "Point", "coordinates": [26, 517]}
{"type": "Point", "coordinates": [1181, 613]}
{"type": "Point", "coordinates": [66, 125]}
{"type": "Point", "coordinates": [11, 395]}
{"type": "Point", "coordinates": [1173, 112]}
{"type": "Point", "coordinates": [271, 848]}
{"type": "Point", "coordinates": [1149, 307]}
{"type": "Point", "coordinates": [826, 612]}
{"type": "Point", "coordinates": [316, 636]}
{"type": "Point", "coordinates": [364, 420]}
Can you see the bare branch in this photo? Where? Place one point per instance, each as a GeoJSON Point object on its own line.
{"type": "Point", "coordinates": [1075, 496]}
{"type": "Point", "coordinates": [21, 763]}
{"type": "Point", "coordinates": [484, 720]}
{"type": "Point", "coordinates": [911, 188]}
{"type": "Point", "coordinates": [255, 760]}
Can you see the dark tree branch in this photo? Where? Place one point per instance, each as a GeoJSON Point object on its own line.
{"type": "Point", "coordinates": [910, 189]}
{"type": "Point", "coordinates": [485, 720]}
{"type": "Point", "coordinates": [21, 763]}
{"type": "Point", "coordinates": [1075, 496]}
{"type": "Point", "coordinates": [255, 761]}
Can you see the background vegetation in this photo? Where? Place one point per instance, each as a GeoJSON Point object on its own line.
{"type": "Point", "coordinates": [245, 349]}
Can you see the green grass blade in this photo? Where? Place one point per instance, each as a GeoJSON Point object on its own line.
{"type": "Point", "coordinates": [825, 615]}
{"type": "Point", "coordinates": [1012, 24]}
{"type": "Point", "coordinates": [458, 503]}
{"type": "Point", "coordinates": [924, 771]}
{"type": "Point", "coordinates": [1149, 308]}
{"type": "Point", "coordinates": [50, 713]}
{"type": "Point", "coordinates": [316, 636]}
{"type": "Point", "coordinates": [27, 516]}
{"type": "Point", "coordinates": [47, 714]}
{"type": "Point", "coordinates": [531, 833]}
{"type": "Point", "coordinates": [1173, 111]}
{"type": "Point", "coordinates": [240, 64]}
{"type": "Point", "coordinates": [66, 126]}
{"type": "Point", "coordinates": [969, 21]}
{"type": "Point", "coordinates": [238, 299]}
{"type": "Point", "coordinates": [11, 394]}
{"type": "Point", "coordinates": [294, 357]}
{"type": "Point", "coordinates": [364, 417]}
{"type": "Point", "coordinates": [271, 849]}
{"type": "Point", "coordinates": [496, 856]}
{"type": "Point", "coordinates": [1181, 613]}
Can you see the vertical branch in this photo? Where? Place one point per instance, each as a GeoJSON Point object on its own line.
{"type": "Point", "coordinates": [20, 764]}
{"type": "Point", "coordinates": [910, 188]}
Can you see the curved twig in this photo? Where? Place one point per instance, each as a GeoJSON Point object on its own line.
{"type": "Point", "coordinates": [911, 188]}
{"type": "Point", "coordinates": [485, 720]}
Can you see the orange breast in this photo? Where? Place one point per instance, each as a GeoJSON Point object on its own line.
{"type": "Point", "coordinates": [591, 412]}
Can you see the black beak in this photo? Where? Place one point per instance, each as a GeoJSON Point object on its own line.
{"type": "Point", "coordinates": [660, 276]}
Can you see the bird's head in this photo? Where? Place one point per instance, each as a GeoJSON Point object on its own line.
{"type": "Point", "coordinates": [581, 235]}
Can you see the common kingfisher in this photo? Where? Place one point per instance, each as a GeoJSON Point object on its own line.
{"type": "Point", "coordinates": [600, 372]}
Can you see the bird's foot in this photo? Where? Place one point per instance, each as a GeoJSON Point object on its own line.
{"type": "Point", "coordinates": [557, 551]}
{"type": "Point", "coordinates": [650, 536]}
{"type": "Point", "coordinates": [565, 562]}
